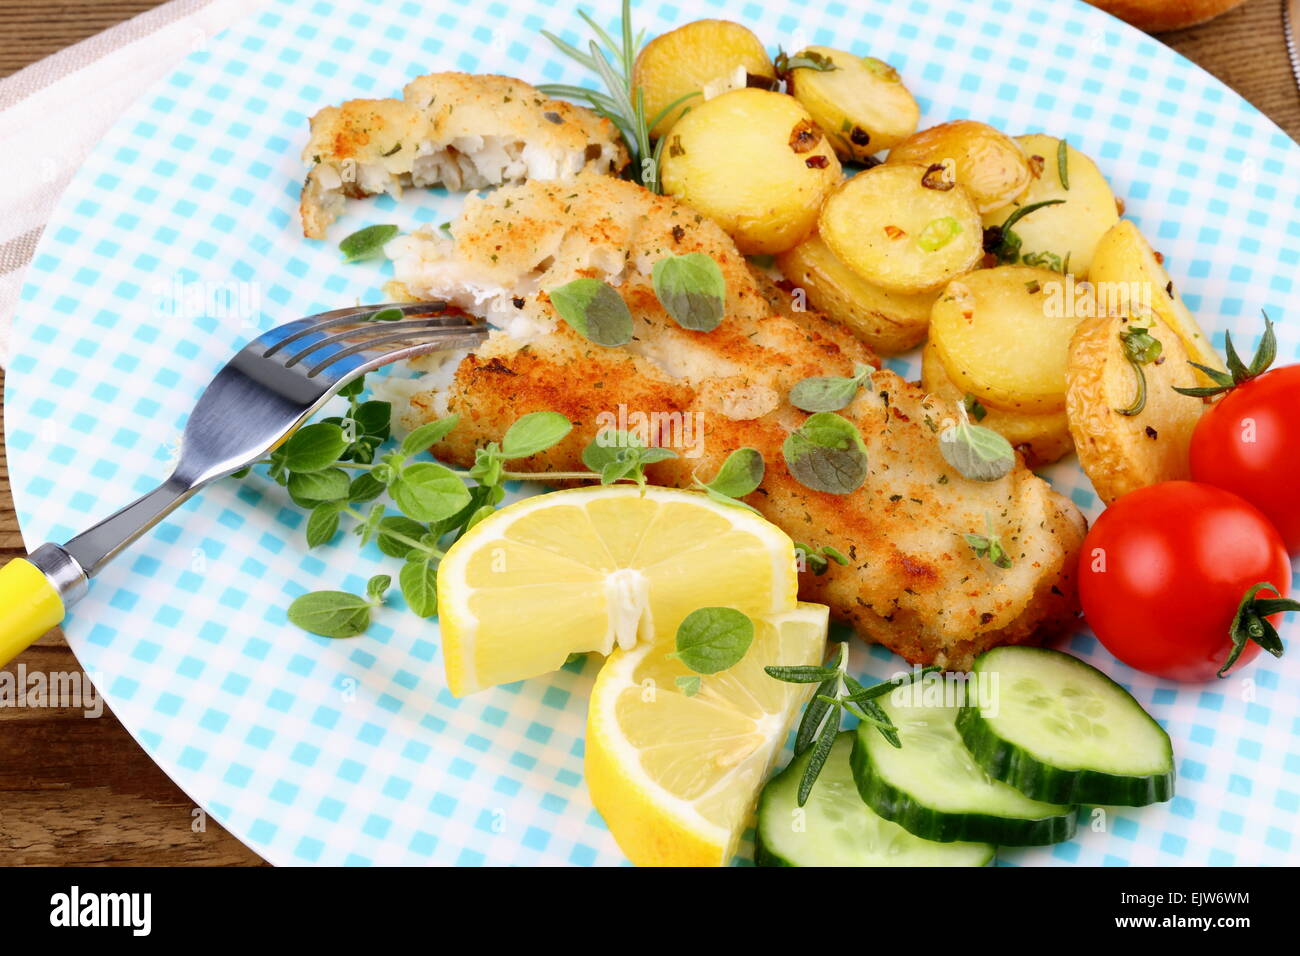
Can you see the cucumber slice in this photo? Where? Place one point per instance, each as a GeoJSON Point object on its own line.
{"type": "Point", "coordinates": [835, 828]}
{"type": "Point", "coordinates": [934, 788]}
{"type": "Point", "coordinates": [1060, 730]}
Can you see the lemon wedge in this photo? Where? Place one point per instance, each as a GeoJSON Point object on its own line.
{"type": "Point", "coordinates": [593, 569]}
{"type": "Point", "coordinates": [676, 776]}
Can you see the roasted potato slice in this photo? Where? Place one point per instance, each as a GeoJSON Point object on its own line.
{"type": "Point", "coordinates": [1122, 452]}
{"type": "Point", "coordinates": [755, 163]}
{"type": "Point", "coordinates": [1126, 269]}
{"type": "Point", "coordinates": [890, 322]}
{"type": "Point", "coordinates": [990, 164]}
{"type": "Point", "coordinates": [1066, 234]}
{"type": "Point", "coordinates": [1005, 338]}
{"type": "Point", "coordinates": [896, 232]}
{"type": "Point", "coordinates": [709, 57]}
{"type": "Point", "coordinates": [1042, 439]}
{"type": "Point", "coordinates": [861, 103]}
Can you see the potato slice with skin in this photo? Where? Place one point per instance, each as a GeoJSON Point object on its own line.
{"type": "Point", "coordinates": [1121, 453]}
{"type": "Point", "coordinates": [705, 56]}
{"type": "Point", "coordinates": [899, 234]}
{"type": "Point", "coordinates": [862, 104]}
{"type": "Point", "coordinates": [890, 322]}
{"type": "Point", "coordinates": [755, 163]}
{"type": "Point", "coordinates": [1042, 439]}
{"type": "Point", "coordinates": [1003, 337]}
{"type": "Point", "coordinates": [1071, 229]}
{"type": "Point", "coordinates": [1125, 266]}
{"type": "Point", "coordinates": [989, 163]}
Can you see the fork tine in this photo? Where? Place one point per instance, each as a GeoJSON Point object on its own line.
{"type": "Point", "coordinates": [326, 320]}
{"type": "Point", "coordinates": [453, 337]}
{"type": "Point", "coordinates": [367, 335]}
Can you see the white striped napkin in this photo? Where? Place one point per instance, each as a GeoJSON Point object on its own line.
{"type": "Point", "coordinates": [53, 112]}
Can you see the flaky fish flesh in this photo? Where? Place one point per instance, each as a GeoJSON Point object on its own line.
{"type": "Point", "coordinates": [458, 130]}
{"type": "Point", "coordinates": [912, 582]}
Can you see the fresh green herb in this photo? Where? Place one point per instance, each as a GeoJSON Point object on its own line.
{"type": "Point", "coordinates": [312, 488]}
{"type": "Point", "coordinates": [387, 315]}
{"type": "Point", "coordinates": [534, 433]}
{"type": "Point", "coordinates": [740, 474]}
{"type": "Point", "coordinates": [322, 524]}
{"type": "Point", "coordinates": [338, 613]}
{"type": "Point", "coordinates": [313, 448]}
{"type": "Point", "coordinates": [620, 102]}
{"type": "Point", "coordinates": [435, 504]}
{"type": "Point", "coordinates": [836, 692]}
{"type": "Point", "coordinates": [835, 554]}
{"type": "Point", "coordinates": [978, 453]}
{"type": "Point", "coordinates": [366, 243]}
{"type": "Point", "coordinates": [692, 290]}
{"type": "Point", "coordinates": [1251, 623]}
{"type": "Point", "coordinates": [400, 537]}
{"type": "Point", "coordinates": [1140, 348]}
{"type": "Point", "coordinates": [829, 393]}
{"type": "Point", "coordinates": [429, 434]}
{"type": "Point", "coordinates": [988, 545]}
{"type": "Point", "coordinates": [427, 491]}
{"type": "Point", "coordinates": [712, 639]}
{"type": "Point", "coordinates": [622, 456]}
{"type": "Point", "coordinates": [1045, 260]}
{"type": "Point", "coordinates": [975, 408]}
{"type": "Point", "coordinates": [688, 684]}
{"type": "Point", "coordinates": [805, 60]}
{"type": "Point", "coordinates": [1002, 241]}
{"type": "Point", "coordinates": [1063, 163]}
{"type": "Point", "coordinates": [419, 582]}
{"type": "Point", "coordinates": [1238, 372]}
{"type": "Point", "coordinates": [818, 560]}
{"type": "Point", "coordinates": [594, 310]}
{"type": "Point", "coordinates": [938, 233]}
{"type": "Point", "coordinates": [826, 453]}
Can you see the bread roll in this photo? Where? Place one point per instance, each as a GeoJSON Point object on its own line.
{"type": "Point", "coordinates": [1156, 16]}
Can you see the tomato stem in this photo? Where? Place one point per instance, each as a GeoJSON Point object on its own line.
{"type": "Point", "coordinates": [1251, 623]}
{"type": "Point", "coordinates": [1238, 372]}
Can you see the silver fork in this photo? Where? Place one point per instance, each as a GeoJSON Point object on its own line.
{"type": "Point", "coordinates": [271, 386]}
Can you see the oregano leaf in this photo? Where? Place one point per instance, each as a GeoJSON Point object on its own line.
{"type": "Point", "coordinates": [594, 310]}
{"type": "Point", "coordinates": [692, 290]}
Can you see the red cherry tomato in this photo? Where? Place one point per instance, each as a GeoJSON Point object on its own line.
{"type": "Point", "coordinates": [1249, 443]}
{"type": "Point", "coordinates": [1164, 570]}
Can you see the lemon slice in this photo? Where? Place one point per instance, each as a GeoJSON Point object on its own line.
{"type": "Point", "coordinates": [592, 569]}
{"type": "Point", "coordinates": [676, 776]}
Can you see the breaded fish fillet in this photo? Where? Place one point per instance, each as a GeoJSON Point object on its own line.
{"type": "Point", "coordinates": [458, 130]}
{"type": "Point", "coordinates": [912, 582]}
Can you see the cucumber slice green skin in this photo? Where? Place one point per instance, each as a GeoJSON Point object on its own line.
{"type": "Point", "coordinates": [1003, 760]}
{"type": "Point", "coordinates": [1037, 779]}
{"type": "Point", "coordinates": [778, 801]}
{"type": "Point", "coordinates": [943, 827]}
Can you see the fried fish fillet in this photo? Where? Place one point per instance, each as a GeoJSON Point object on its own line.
{"type": "Point", "coordinates": [911, 582]}
{"type": "Point", "coordinates": [458, 130]}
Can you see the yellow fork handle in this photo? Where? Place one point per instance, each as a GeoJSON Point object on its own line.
{"type": "Point", "coordinates": [29, 606]}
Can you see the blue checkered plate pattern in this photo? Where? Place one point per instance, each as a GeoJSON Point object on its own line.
{"type": "Point", "coordinates": [179, 240]}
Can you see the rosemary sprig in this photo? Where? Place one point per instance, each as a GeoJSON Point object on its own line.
{"type": "Point", "coordinates": [1004, 243]}
{"type": "Point", "coordinates": [836, 692]}
{"type": "Point", "coordinates": [622, 103]}
{"type": "Point", "coordinates": [1140, 348]}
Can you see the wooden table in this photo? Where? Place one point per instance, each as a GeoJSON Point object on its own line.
{"type": "Point", "coordinates": [81, 791]}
